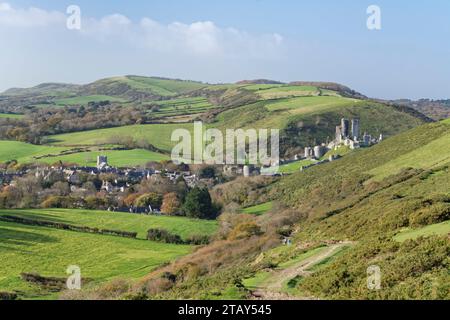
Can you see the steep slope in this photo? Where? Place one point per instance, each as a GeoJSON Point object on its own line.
{"type": "Point", "coordinates": [341, 201]}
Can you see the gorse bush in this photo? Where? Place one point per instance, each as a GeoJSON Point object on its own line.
{"type": "Point", "coordinates": [161, 235]}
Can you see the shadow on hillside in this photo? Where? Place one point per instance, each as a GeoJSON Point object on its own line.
{"type": "Point", "coordinates": [22, 238]}
{"type": "Point", "coordinates": [34, 216]}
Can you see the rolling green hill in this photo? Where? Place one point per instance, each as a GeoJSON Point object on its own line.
{"type": "Point", "coordinates": [303, 121]}
{"type": "Point", "coordinates": [133, 86]}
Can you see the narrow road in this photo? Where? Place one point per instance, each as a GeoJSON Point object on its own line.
{"type": "Point", "coordinates": [272, 288]}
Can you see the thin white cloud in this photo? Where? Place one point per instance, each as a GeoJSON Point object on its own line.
{"type": "Point", "coordinates": [201, 38]}
{"type": "Point", "coordinates": [31, 17]}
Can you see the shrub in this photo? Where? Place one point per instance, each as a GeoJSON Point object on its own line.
{"type": "Point", "coordinates": [8, 296]}
{"type": "Point", "coordinates": [161, 235]}
{"type": "Point", "coordinates": [60, 202]}
{"type": "Point", "coordinates": [171, 204]}
{"type": "Point", "coordinates": [244, 230]}
{"type": "Point", "coordinates": [198, 240]}
{"type": "Point", "coordinates": [153, 199]}
{"type": "Point", "coordinates": [198, 204]}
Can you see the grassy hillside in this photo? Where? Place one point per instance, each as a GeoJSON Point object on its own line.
{"type": "Point", "coordinates": [50, 251]}
{"type": "Point", "coordinates": [303, 121]}
{"type": "Point", "coordinates": [344, 202]}
{"type": "Point", "coordinates": [24, 152]}
{"type": "Point", "coordinates": [181, 106]}
{"type": "Point", "coordinates": [118, 220]}
{"type": "Point", "coordinates": [361, 221]}
{"type": "Point", "coordinates": [132, 86]}
{"type": "Point", "coordinates": [159, 135]}
{"type": "Point", "coordinates": [439, 229]}
{"type": "Point", "coordinates": [84, 100]}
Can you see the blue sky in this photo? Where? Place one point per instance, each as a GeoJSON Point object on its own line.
{"type": "Point", "coordinates": [227, 41]}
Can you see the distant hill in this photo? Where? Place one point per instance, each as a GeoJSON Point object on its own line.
{"type": "Point", "coordinates": [435, 109]}
{"type": "Point", "coordinates": [43, 89]}
{"type": "Point", "coordinates": [259, 81]}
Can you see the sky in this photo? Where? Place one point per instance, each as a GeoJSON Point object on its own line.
{"type": "Point", "coordinates": [220, 41]}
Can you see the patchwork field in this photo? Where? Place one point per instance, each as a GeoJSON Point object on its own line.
{"type": "Point", "coordinates": [181, 106]}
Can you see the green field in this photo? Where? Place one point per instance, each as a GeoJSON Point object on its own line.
{"type": "Point", "coordinates": [24, 152]}
{"type": "Point", "coordinates": [28, 153]}
{"type": "Point", "coordinates": [290, 167]}
{"type": "Point", "coordinates": [157, 86]}
{"type": "Point", "coordinates": [288, 91]}
{"type": "Point", "coordinates": [278, 113]}
{"type": "Point", "coordinates": [124, 221]}
{"type": "Point", "coordinates": [434, 229]}
{"type": "Point", "coordinates": [182, 106]}
{"type": "Point", "coordinates": [426, 156]}
{"type": "Point", "coordinates": [50, 251]}
{"type": "Point", "coordinates": [84, 100]}
{"type": "Point", "coordinates": [158, 135]}
{"type": "Point", "coordinates": [10, 116]}
{"type": "Point", "coordinates": [259, 209]}
{"type": "Point", "coordinates": [116, 158]}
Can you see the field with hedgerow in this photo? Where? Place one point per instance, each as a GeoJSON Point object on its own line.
{"type": "Point", "coordinates": [49, 251]}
